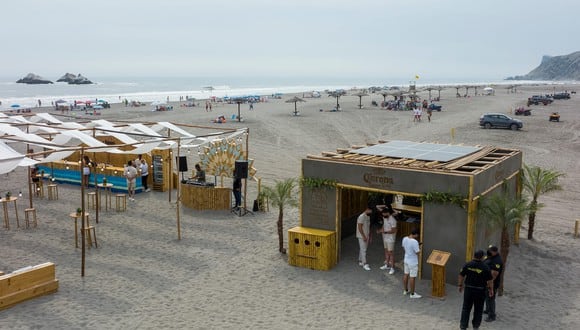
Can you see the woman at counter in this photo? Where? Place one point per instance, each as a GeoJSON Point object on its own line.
{"type": "Point", "coordinates": [86, 168]}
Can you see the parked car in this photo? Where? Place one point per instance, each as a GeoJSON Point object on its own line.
{"type": "Point", "coordinates": [537, 99]}
{"type": "Point", "coordinates": [561, 96]}
{"type": "Point", "coordinates": [499, 120]}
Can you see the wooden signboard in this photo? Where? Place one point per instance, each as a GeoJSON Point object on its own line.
{"type": "Point", "coordinates": [438, 259]}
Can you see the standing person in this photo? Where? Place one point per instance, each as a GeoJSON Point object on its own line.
{"type": "Point", "coordinates": [251, 105]}
{"type": "Point", "coordinates": [131, 176]}
{"type": "Point", "coordinates": [363, 227]}
{"type": "Point", "coordinates": [429, 113]}
{"type": "Point", "coordinates": [237, 192]}
{"type": "Point", "coordinates": [86, 171]}
{"type": "Point", "coordinates": [144, 174]}
{"type": "Point", "coordinates": [411, 262]}
{"type": "Point", "coordinates": [389, 232]}
{"type": "Point", "coordinates": [137, 162]}
{"type": "Point", "coordinates": [495, 264]}
{"type": "Point", "coordinates": [199, 173]}
{"type": "Point", "coordinates": [476, 276]}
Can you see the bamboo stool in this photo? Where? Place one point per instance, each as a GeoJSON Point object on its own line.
{"type": "Point", "coordinates": [121, 202]}
{"type": "Point", "coordinates": [52, 191]}
{"type": "Point", "coordinates": [92, 199]}
{"type": "Point", "coordinates": [27, 213]}
{"type": "Point", "coordinates": [39, 189]}
{"type": "Point", "coordinates": [88, 229]}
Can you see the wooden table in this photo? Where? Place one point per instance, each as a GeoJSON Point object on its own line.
{"type": "Point", "coordinates": [4, 202]}
{"type": "Point", "coordinates": [107, 188]}
{"type": "Point", "coordinates": [76, 216]}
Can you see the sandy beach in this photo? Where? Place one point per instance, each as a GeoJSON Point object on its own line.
{"type": "Point", "coordinates": [226, 272]}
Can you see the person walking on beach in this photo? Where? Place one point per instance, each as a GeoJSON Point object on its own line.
{"type": "Point", "coordinates": [251, 105]}
{"type": "Point", "coordinates": [411, 263]}
{"type": "Point", "coordinates": [144, 174]}
{"type": "Point", "coordinates": [131, 176]}
{"type": "Point", "coordinates": [476, 277]}
{"type": "Point", "coordinates": [495, 264]}
{"type": "Point", "coordinates": [429, 113]}
{"type": "Point", "coordinates": [389, 231]}
{"type": "Point", "coordinates": [363, 226]}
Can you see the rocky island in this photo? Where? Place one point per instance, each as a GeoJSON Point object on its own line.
{"type": "Point", "coordinates": [32, 78]}
{"type": "Point", "coordinates": [73, 79]}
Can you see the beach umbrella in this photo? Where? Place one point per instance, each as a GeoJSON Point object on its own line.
{"type": "Point", "coordinates": [295, 100]}
{"type": "Point", "coordinates": [360, 96]}
{"type": "Point", "coordinates": [336, 94]}
{"type": "Point", "coordinates": [60, 101]}
{"type": "Point", "coordinates": [15, 106]}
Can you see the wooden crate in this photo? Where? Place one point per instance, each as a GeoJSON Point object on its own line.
{"type": "Point", "coordinates": [27, 284]}
{"type": "Point", "coordinates": [312, 248]}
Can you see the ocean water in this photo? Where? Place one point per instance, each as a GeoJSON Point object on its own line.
{"type": "Point", "coordinates": [149, 89]}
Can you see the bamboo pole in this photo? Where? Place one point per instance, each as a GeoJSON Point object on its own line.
{"type": "Point", "coordinates": [576, 228]}
{"type": "Point", "coordinates": [178, 201]}
{"type": "Point", "coordinates": [97, 201]}
{"type": "Point", "coordinates": [246, 179]}
{"type": "Point", "coordinates": [82, 220]}
{"type": "Point", "coordinates": [170, 169]}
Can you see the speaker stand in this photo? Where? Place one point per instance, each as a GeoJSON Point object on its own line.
{"type": "Point", "coordinates": [241, 211]}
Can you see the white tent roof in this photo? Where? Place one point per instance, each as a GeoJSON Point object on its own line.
{"type": "Point", "coordinates": [10, 159]}
{"type": "Point", "coordinates": [68, 136]}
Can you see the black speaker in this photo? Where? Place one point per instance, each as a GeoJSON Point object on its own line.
{"type": "Point", "coordinates": [241, 171]}
{"type": "Point", "coordinates": [181, 163]}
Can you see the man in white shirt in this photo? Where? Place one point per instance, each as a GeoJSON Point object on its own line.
{"type": "Point", "coordinates": [389, 232]}
{"type": "Point", "coordinates": [363, 226]}
{"type": "Point", "coordinates": [131, 176]}
{"type": "Point", "coordinates": [411, 261]}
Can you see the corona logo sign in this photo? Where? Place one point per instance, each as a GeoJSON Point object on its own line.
{"type": "Point", "coordinates": [377, 178]}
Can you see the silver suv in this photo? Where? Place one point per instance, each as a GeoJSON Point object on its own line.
{"type": "Point", "coordinates": [492, 120]}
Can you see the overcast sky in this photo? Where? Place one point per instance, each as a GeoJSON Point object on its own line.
{"type": "Point", "coordinates": [436, 39]}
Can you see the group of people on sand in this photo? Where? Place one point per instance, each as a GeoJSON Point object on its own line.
{"type": "Point", "coordinates": [478, 280]}
{"type": "Point", "coordinates": [418, 111]}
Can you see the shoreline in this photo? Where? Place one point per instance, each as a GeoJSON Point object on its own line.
{"type": "Point", "coordinates": [73, 93]}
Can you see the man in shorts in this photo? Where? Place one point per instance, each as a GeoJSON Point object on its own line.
{"type": "Point", "coordinates": [411, 261]}
{"type": "Point", "coordinates": [389, 232]}
{"type": "Point", "coordinates": [131, 176]}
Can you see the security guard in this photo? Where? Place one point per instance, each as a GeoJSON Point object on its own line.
{"type": "Point", "coordinates": [476, 276]}
{"type": "Point", "coordinates": [495, 264]}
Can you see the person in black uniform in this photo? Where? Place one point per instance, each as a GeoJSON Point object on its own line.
{"type": "Point", "coordinates": [199, 174]}
{"type": "Point", "coordinates": [475, 276]}
{"type": "Point", "coordinates": [495, 264]}
{"type": "Point", "coordinates": [237, 192]}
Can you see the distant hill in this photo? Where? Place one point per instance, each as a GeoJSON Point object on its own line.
{"type": "Point", "coordinates": [565, 67]}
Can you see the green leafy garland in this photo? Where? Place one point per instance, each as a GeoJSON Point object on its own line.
{"type": "Point", "coordinates": [317, 183]}
{"type": "Point", "coordinates": [444, 198]}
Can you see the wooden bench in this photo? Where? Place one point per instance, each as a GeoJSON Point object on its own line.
{"type": "Point", "coordinates": [27, 283]}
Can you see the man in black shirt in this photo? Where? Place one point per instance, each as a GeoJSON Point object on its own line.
{"type": "Point", "coordinates": [495, 264]}
{"type": "Point", "coordinates": [237, 188]}
{"type": "Point", "coordinates": [476, 276]}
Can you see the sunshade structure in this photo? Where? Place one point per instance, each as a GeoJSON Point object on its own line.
{"type": "Point", "coordinates": [360, 96]}
{"type": "Point", "coordinates": [295, 100]}
{"type": "Point", "coordinates": [337, 95]}
{"type": "Point", "coordinates": [60, 139]}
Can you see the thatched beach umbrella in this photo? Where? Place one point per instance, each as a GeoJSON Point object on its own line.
{"type": "Point", "coordinates": [360, 96]}
{"type": "Point", "coordinates": [439, 89]}
{"type": "Point", "coordinates": [336, 94]}
{"type": "Point", "coordinates": [295, 100]}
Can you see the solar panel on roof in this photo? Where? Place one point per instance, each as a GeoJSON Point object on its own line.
{"type": "Point", "coordinates": [417, 150]}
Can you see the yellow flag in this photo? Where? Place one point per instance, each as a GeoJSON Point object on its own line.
{"type": "Point", "coordinates": [416, 76]}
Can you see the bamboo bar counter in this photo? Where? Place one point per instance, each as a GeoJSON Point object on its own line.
{"type": "Point", "coordinates": [205, 197]}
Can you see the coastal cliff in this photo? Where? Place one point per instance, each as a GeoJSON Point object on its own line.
{"type": "Point", "coordinates": [564, 67]}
